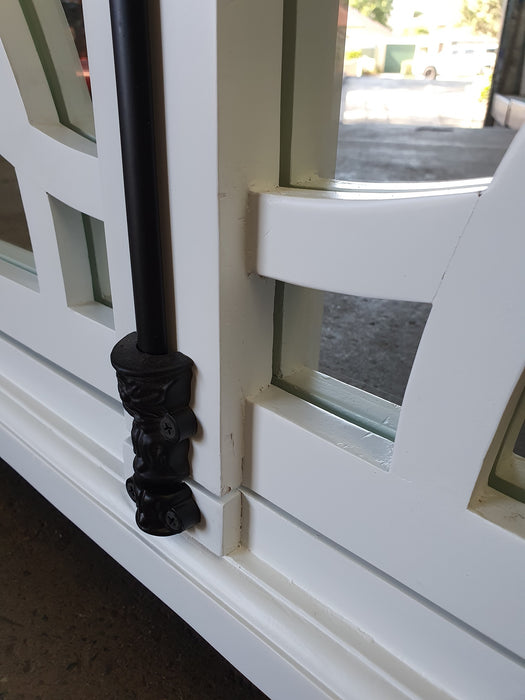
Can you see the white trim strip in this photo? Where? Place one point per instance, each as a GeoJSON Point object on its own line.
{"type": "Point", "coordinates": [390, 245]}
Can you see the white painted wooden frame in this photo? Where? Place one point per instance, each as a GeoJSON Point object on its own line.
{"type": "Point", "coordinates": [332, 592]}
{"type": "Point", "coordinates": [412, 519]}
{"type": "Point", "coordinates": [407, 511]}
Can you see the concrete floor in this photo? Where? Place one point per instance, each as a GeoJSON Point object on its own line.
{"type": "Point", "coordinates": [371, 152]}
{"type": "Point", "coordinates": [74, 625]}
{"type": "Point", "coordinates": [371, 343]}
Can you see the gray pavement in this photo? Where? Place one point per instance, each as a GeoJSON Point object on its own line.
{"type": "Point", "coordinates": [371, 343]}
{"type": "Point", "coordinates": [391, 99]}
{"type": "Point", "coordinates": [373, 152]}
{"type": "Point", "coordinates": [394, 129]}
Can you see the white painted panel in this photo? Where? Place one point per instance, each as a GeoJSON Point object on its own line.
{"type": "Point", "coordinates": [330, 476]}
{"type": "Point", "coordinates": [74, 177]}
{"type": "Point", "coordinates": [79, 344]}
{"type": "Point", "coordinates": [442, 650]}
{"type": "Point", "coordinates": [87, 410]}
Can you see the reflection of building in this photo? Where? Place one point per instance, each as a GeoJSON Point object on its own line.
{"type": "Point", "coordinates": [363, 32]}
{"type": "Point", "coordinates": [416, 31]}
{"type": "Point", "coordinates": [368, 37]}
{"type": "Point", "coordinates": [381, 51]}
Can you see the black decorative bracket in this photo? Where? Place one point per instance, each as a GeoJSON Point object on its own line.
{"type": "Point", "coordinates": [154, 383]}
{"type": "Point", "coordinates": [155, 390]}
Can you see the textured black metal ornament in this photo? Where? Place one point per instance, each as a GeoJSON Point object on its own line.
{"type": "Point", "coordinates": [155, 390]}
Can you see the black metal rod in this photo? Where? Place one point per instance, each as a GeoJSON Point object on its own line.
{"type": "Point", "coordinates": [131, 47]}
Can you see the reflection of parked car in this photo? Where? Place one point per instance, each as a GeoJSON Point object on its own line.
{"type": "Point", "coordinates": [455, 60]}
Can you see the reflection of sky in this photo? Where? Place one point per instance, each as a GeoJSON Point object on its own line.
{"type": "Point", "coordinates": [434, 13]}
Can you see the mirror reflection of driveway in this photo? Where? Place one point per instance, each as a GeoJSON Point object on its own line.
{"type": "Point", "coordinates": [397, 100]}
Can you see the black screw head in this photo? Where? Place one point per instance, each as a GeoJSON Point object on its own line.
{"type": "Point", "coordinates": [168, 427]}
{"type": "Point", "coordinates": [173, 521]}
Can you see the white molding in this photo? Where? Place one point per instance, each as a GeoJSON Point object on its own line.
{"type": "Point", "coordinates": [341, 481]}
{"type": "Point", "coordinates": [84, 408]}
{"type": "Point", "coordinates": [446, 653]}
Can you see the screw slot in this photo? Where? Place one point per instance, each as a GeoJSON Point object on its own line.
{"type": "Point", "coordinates": [168, 427]}
{"type": "Point", "coordinates": [173, 521]}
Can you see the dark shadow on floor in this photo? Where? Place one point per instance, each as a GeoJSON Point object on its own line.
{"type": "Point", "coordinates": [74, 625]}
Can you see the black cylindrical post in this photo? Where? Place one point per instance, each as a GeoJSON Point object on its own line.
{"type": "Point", "coordinates": [154, 384]}
{"type": "Point", "coordinates": [130, 28]}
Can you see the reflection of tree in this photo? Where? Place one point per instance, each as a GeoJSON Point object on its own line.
{"type": "Point", "coordinates": [378, 10]}
{"type": "Point", "coordinates": [483, 16]}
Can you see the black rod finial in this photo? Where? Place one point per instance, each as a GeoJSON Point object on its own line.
{"type": "Point", "coordinates": [156, 391]}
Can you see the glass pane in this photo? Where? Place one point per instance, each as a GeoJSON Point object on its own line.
{"type": "Point", "coordinates": [83, 257]}
{"type": "Point", "coordinates": [98, 259]}
{"type": "Point", "coordinates": [384, 92]}
{"type": "Point", "coordinates": [508, 473]}
{"type": "Point", "coordinates": [519, 447]}
{"type": "Point", "coordinates": [15, 243]}
{"type": "Point", "coordinates": [371, 343]}
{"type": "Point", "coordinates": [75, 20]}
{"type": "Point", "coordinates": [350, 355]}
{"type": "Point", "coordinates": [57, 29]}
